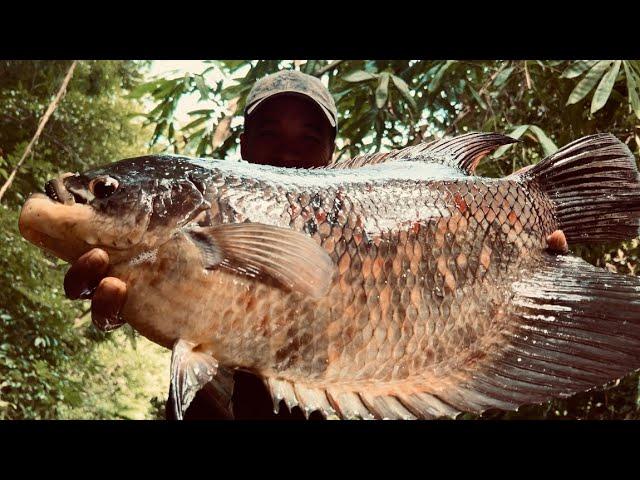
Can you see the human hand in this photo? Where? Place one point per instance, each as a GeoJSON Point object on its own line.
{"type": "Point", "coordinates": [87, 279]}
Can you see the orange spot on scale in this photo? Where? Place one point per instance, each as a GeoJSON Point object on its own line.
{"type": "Point", "coordinates": [513, 218]}
{"type": "Point", "coordinates": [385, 300]}
{"type": "Point", "coordinates": [449, 282]}
{"type": "Point", "coordinates": [442, 265]}
{"type": "Point", "coordinates": [460, 203]}
{"type": "Point", "coordinates": [344, 263]}
{"type": "Point", "coordinates": [397, 265]}
{"type": "Point", "coordinates": [321, 216]}
{"type": "Point", "coordinates": [376, 269]}
{"type": "Point", "coordinates": [485, 257]}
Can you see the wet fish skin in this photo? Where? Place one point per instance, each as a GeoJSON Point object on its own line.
{"type": "Point", "coordinates": [421, 316]}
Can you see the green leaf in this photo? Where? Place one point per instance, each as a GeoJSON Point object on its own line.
{"type": "Point", "coordinates": [518, 131]}
{"type": "Point", "coordinates": [202, 87]}
{"type": "Point", "coordinates": [202, 146]}
{"type": "Point", "coordinates": [204, 111]}
{"type": "Point", "coordinates": [478, 98]}
{"type": "Point", "coordinates": [577, 68]}
{"type": "Point", "coordinates": [588, 82]}
{"type": "Point", "coordinates": [604, 87]}
{"type": "Point", "coordinates": [195, 139]}
{"type": "Point", "coordinates": [515, 133]}
{"type": "Point", "coordinates": [143, 89]}
{"type": "Point", "coordinates": [167, 86]}
{"type": "Point", "coordinates": [234, 91]}
{"type": "Point", "coordinates": [310, 67]}
{"type": "Point", "coordinates": [633, 87]}
{"type": "Point", "coordinates": [435, 82]}
{"type": "Point", "coordinates": [503, 76]}
{"type": "Point", "coordinates": [382, 92]}
{"type": "Point", "coordinates": [195, 123]}
{"type": "Point", "coordinates": [359, 76]}
{"type": "Point", "coordinates": [403, 88]}
{"type": "Point", "coordinates": [547, 144]}
{"type": "Point", "coordinates": [233, 65]}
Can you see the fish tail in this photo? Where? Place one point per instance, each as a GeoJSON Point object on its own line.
{"type": "Point", "coordinates": [594, 185]}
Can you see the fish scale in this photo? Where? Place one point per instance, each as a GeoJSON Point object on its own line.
{"type": "Point", "coordinates": [344, 306]}
{"type": "Point", "coordinates": [397, 285]}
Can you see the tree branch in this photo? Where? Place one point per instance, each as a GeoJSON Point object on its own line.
{"type": "Point", "coordinates": [467, 109]}
{"type": "Point", "coordinates": [326, 68]}
{"type": "Point", "coordinates": [43, 121]}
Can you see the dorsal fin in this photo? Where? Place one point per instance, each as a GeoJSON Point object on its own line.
{"type": "Point", "coordinates": [462, 152]}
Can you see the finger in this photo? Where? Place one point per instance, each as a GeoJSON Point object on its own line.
{"type": "Point", "coordinates": [84, 275]}
{"type": "Point", "coordinates": [557, 242]}
{"type": "Point", "coordinates": [107, 304]}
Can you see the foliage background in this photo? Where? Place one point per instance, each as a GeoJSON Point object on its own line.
{"type": "Point", "coordinates": [54, 364]}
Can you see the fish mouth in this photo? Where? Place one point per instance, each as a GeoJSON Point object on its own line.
{"type": "Point", "coordinates": [58, 192]}
{"type": "Point", "coordinates": [53, 225]}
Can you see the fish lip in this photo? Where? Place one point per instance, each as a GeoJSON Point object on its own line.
{"type": "Point", "coordinates": [50, 240]}
{"type": "Point", "coordinates": [57, 191]}
{"type": "Point", "coordinates": [33, 235]}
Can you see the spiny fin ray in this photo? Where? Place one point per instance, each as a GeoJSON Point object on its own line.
{"type": "Point", "coordinates": [463, 152]}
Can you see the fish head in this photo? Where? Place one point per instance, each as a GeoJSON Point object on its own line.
{"type": "Point", "coordinates": [125, 208]}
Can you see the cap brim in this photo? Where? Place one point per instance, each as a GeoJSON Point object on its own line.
{"type": "Point", "coordinates": [250, 108]}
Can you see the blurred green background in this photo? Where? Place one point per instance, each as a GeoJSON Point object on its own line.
{"type": "Point", "coordinates": [55, 364]}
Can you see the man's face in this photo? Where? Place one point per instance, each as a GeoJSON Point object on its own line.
{"type": "Point", "coordinates": [288, 131]}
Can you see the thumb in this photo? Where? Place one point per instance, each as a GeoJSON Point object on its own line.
{"type": "Point", "coordinates": [107, 304]}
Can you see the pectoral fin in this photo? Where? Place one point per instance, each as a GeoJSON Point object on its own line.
{"type": "Point", "coordinates": [292, 258]}
{"type": "Point", "coordinates": [192, 371]}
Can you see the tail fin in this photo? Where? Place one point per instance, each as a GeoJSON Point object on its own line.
{"type": "Point", "coordinates": [595, 187]}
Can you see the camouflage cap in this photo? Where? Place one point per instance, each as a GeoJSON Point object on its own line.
{"type": "Point", "coordinates": [292, 81]}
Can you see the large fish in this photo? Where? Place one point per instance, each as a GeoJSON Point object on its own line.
{"type": "Point", "coordinates": [390, 286]}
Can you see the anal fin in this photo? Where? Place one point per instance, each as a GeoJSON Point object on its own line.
{"type": "Point", "coordinates": [358, 401]}
{"type": "Point", "coordinates": [192, 371]}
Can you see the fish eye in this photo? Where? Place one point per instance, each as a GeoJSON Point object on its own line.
{"type": "Point", "coordinates": [103, 187]}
